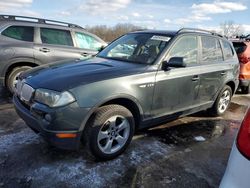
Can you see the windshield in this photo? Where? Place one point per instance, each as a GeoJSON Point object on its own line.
{"type": "Point", "coordinates": [136, 47]}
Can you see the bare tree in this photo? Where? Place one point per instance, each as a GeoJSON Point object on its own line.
{"type": "Point", "coordinates": [110, 33]}
{"type": "Point", "coordinates": [230, 29]}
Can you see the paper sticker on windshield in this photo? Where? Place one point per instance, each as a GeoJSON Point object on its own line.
{"type": "Point", "coordinates": [161, 38]}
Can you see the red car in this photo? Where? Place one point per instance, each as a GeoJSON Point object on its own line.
{"type": "Point", "coordinates": [242, 47]}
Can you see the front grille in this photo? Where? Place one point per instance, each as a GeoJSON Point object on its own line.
{"type": "Point", "coordinates": [26, 93]}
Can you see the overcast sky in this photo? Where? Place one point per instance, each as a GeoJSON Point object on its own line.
{"type": "Point", "coordinates": [158, 14]}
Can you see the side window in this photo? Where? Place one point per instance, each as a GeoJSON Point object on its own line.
{"type": "Point", "coordinates": [186, 47]}
{"type": "Point", "coordinates": [23, 33]}
{"type": "Point", "coordinates": [228, 51]}
{"type": "Point", "coordinates": [87, 41]}
{"type": "Point", "coordinates": [56, 36]}
{"type": "Point", "coordinates": [211, 50]}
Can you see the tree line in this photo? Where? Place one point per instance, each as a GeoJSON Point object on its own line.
{"type": "Point", "coordinates": [108, 34]}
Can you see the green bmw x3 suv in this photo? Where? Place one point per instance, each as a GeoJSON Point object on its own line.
{"type": "Point", "coordinates": [140, 80]}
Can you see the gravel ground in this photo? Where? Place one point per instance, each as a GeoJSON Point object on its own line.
{"type": "Point", "coordinates": [189, 152]}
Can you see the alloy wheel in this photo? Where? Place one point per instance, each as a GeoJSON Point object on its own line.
{"type": "Point", "coordinates": [114, 134]}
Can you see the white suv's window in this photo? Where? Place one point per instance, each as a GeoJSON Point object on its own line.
{"type": "Point", "coordinates": [186, 47]}
{"type": "Point", "coordinates": [211, 50]}
{"type": "Point", "coordinates": [56, 36]}
{"type": "Point", "coordinates": [87, 42]}
{"type": "Point", "coordinates": [24, 33]}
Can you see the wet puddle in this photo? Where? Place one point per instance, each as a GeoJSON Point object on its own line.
{"type": "Point", "coordinates": [191, 132]}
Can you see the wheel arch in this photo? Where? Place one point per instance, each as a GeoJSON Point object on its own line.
{"type": "Point", "coordinates": [15, 64]}
{"type": "Point", "coordinates": [231, 84]}
{"type": "Point", "coordinates": [128, 102]}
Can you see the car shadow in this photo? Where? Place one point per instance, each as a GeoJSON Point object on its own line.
{"type": "Point", "coordinates": [5, 96]}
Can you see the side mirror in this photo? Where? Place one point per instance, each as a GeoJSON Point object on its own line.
{"type": "Point", "coordinates": [101, 48]}
{"type": "Point", "coordinates": [176, 62]}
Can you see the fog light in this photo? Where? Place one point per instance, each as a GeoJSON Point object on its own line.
{"type": "Point", "coordinates": [48, 117]}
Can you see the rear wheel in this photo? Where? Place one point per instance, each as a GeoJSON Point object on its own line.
{"type": "Point", "coordinates": [13, 77]}
{"type": "Point", "coordinates": [222, 102]}
{"type": "Point", "coordinates": [109, 131]}
{"type": "Point", "coordinates": [245, 89]}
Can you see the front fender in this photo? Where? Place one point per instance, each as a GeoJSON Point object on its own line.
{"type": "Point", "coordinates": [121, 96]}
{"type": "Point", "coordinates": [137, 88]}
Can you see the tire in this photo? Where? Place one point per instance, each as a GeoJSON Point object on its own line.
{"type": "Point", "coordinates": [245, 89]}
{"type": "Point", "coordinates": [222, 102]}
{"type": "Point", "coordinates": [109, 131]}
{"type": "Point", "coordinates": [12, 77]}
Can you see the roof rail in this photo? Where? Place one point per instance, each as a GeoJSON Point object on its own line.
{"type": "Point", "coordinates": [37, 20]}
{"type": "Point", "coordinates": [182, 30]}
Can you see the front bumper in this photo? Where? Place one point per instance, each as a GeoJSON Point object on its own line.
{"type": "Point", "coordinates": [40, 126]}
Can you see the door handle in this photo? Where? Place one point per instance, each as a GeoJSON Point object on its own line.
{"type": "Point", "coordinates": [195, 78]}
{"type": "Point", "coordinates": [223, 73]}
{"type": "Point", "coordinates": [85, 54]}
{"type": "Point", "coordinates": [45, 50]}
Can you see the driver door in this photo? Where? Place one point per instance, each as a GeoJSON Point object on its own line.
{"type": "Point", "coordinates": [177, 89]}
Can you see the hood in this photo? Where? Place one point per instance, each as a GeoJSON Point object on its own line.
{"type": "Point", "coordinates": [64, 75]}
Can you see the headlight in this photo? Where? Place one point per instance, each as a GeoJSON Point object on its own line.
{"type": "Point", "coordinates": [53, 98]}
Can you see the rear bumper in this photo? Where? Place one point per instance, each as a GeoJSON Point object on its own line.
{"type": "Point", "coordinates": [37, 125]}
{"type": "Point", "coordinates": [237, 172]}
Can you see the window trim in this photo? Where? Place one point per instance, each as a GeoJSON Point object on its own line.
{"type": "Point", "coordinates": [19, 25]}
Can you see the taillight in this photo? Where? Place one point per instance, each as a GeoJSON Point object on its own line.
{"type": "Point", "coordinates": [243, 59]}
{"type": "Point", "coordinates": [243, 139]}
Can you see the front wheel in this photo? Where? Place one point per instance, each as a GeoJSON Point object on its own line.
{"type": "Point", "coordinates": [109, 131]}
{"type": "Point", "coordinates": [222, 102]}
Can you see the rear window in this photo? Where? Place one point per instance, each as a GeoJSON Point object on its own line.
{"type": "Point", "coordinates": [228, 51]}
{"type": "Point", "coordinates": [211, 50]}
{"type": "Point", "coordinates": [23, 33]}
{"type": "Point", "coordinates": [56, 36]}
{"type": "Point", "coordinates": [239, 47]}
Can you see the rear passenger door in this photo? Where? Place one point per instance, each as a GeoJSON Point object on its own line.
{"type": "Point", "coordinates": [54, 45]}
{"type": "Point", "coordinates": [212, 70]}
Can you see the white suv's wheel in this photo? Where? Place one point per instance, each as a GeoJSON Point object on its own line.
{"type": "Point", "coordinates": [110, 131]}
{"type": "Point", "coordinates": [13, 76]}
